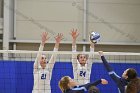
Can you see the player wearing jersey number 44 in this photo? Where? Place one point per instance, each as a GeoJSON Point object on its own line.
{"type": "Point", "coordinates": [42, 68]}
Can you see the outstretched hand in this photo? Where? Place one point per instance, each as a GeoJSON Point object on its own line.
{"type": "Point", "coordinates": [104, 81]}
{"type": "Point", "coordinates": [100, 53]}
{"type": "Point", "coordinates": [59, 37]}
{"type": "Point", "coordinates": [44, 37]}
{"type": "Point", "coordinates": [74, 33]}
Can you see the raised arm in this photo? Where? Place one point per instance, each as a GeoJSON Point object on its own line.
{"type": "Point", "coordinates": [106, 64]}
{"type": "Point", "coordinates": [43, 41]}
{"type": "Point", "coordinates": [52, 60]}
{"type": "Point", "coordinates": [101, 81]}
{"type": "Point", "coordinates": [74, 34]}
{"type": "Point", "coordinates": [110, 70]}
{"type": "Point", "coordinates": [91, 56]}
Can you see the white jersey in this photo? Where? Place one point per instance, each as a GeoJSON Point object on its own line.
{"type": "Point", "coordinates": [82, 73]}
{"type": "Point", "coordinates": [42, 77]}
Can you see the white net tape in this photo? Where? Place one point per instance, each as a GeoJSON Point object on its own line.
{"type": "Point", "coordinates": [65, 56]}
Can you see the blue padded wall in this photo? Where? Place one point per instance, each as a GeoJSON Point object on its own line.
{"type": "Point", "coordinates": [17, 77]}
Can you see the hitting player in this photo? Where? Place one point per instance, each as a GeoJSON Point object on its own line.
{"type": "Point", "coordinates": [68, 85]}
{"type": "Point", "coordinates": [126, 83]}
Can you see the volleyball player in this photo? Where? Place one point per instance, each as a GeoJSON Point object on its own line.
{"type": "Point", "coordinates": [42, 68]}
{"type": "Point", "coordinates": [81, 63]}
{"type": "Point", "coordinates": [68, 85]}
{"type": "Point", "coordinates": [134, 81]}
{"type": "Point", "coordinates": [126, 83]}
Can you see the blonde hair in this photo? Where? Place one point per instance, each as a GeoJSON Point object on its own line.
{"type": "Point", "coordinates": [63, 83]}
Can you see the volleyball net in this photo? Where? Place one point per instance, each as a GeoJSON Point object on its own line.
{"type": "Point", "coordinates": [16, 69]}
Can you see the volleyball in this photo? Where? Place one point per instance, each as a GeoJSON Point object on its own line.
{"type": "Point", "coordinates": [94, 37]}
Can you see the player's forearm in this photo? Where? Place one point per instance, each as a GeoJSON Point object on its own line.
{"type": "Point", "coordinates": [38, 54]}
{"type": "Point", "coordinates": [53, 58]}
{"type": "Point", "coordinates": [74, 42]}
{"type": "Point", "coordinates": [91, 50]}
{"type": "Point", "coordinates": [104, 59]}
{"type": "Point", "coordinates": [57, 45]}
{"type": "Point", "coordinates": [41, 47]}
{"type": "Point", "coordinates": [52, 61]}
{"type": "Point", "coordinates": [91, 56]}
{"type": "Point", "coordinates": [87, 86]}
{"type": "Point", "coordinates": [74, 45]}
{"type": "Point", "coordinates": [74, 56]}
{"type": "Point", "coordinates": [96, 83]}
{"type": "Point", "coordinates": [42, 43]}
{"type": "Point", "coordinates": [92, 45]}
{"type": "Point", "coordinates": [106, 64]}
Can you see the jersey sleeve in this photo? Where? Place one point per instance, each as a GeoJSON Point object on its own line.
{"type": "Point", "coordinates": [110, 70]}
{"type": "Point", "coordinates": [90, 59]}
{"type": "Point", "coordinates": [74, 58]}
{"type": "Point", "coordinates": [106, 64]}
{"type": "Point", "coordinates": [52, 60]}
{"type": "Point", "coordinates": [36, 63]}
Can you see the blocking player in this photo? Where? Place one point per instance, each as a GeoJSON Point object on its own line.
{"type": "Point", "coordinates": [82, 63]}
{"type": "Point", "coordinates": [43, 67]}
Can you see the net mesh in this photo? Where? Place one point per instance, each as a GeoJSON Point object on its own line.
{"type": "Point", "coordinates": [17, 67]}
